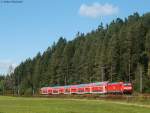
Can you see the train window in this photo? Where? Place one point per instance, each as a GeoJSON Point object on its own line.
{"type": "Point", "coordinates": [67, 90]}
{"type": "Point", "coordinates": [87, 89]}
{"type": "Point", "coordinates": [97, 89]}
{"type": "Point", "coordinates": [126, 84]}
{"type": "Point", "coordinates": [55, 91]}
{"type": "Point", "coordinates": [81, 90]}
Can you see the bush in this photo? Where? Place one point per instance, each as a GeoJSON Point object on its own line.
{"type": "Point", "coordinates": [28, 92]}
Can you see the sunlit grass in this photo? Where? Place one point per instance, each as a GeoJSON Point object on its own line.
{"type": "Point", "coordinates": [49, 105]}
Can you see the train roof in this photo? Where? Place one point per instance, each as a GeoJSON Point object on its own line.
{"type": "Point", "coordinates": [116, 82]}
{"type": "Point", "coordinates": [80, 85]}
{"type": "Point", "coordinates": [83, 85]}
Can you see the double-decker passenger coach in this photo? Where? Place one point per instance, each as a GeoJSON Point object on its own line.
{"type": "Point", "coordinates": [90, 88]}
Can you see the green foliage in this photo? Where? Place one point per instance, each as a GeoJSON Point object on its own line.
{"type": "Point", "coordinates": [28, 92]}
{"type": "Point", "coordinates": [22, 88]}
{"type": "Point", "coordinates": [1, 87]}
{"type": "Point", "coordinates": [110, 53]}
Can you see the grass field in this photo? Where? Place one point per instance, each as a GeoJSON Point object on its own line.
{"type": "Point", "coordinates": [51, 105]}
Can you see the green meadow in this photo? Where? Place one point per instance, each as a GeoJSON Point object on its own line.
{"type": "Point", "coordinates": [54, 105]}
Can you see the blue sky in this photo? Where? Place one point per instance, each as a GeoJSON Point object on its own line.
{"type": "Point", "coordinates": [31, 26]}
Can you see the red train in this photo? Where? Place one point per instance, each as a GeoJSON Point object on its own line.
{"type": "Point", "coordinates": [91, 88]}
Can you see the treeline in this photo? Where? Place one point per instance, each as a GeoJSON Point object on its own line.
{"type": "Point", "coordinates": [6, 85]}
{"type": "Point", "coordinates": [119, 51]}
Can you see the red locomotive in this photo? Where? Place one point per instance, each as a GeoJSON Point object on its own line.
{"type": "Point", "coordinates": [91, 88]}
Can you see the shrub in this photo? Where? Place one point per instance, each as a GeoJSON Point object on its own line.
{"type": "Point", "coordinates": [28, 92]}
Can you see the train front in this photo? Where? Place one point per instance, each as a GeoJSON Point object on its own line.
{"type": "Point", "coordinates": [127, 88]}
